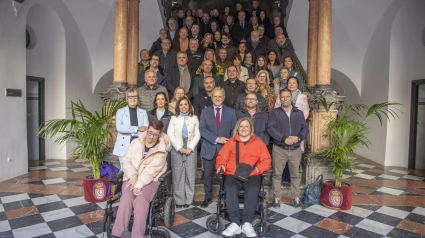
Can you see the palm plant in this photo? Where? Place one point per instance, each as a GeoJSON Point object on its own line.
{"type": "Point", "coordinates": [86, 130]}
{"type": "Point", "coordinates": [345, 133]}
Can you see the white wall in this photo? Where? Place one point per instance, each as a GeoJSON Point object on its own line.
{"type": "Point", "coordinates": [406, 64]}
{"type": "Point", "coordinates": [377, 49]}
{"type": "Point", "coordinates": [47, 60]}
{"type": "Point", "coordinates": [13, 143]}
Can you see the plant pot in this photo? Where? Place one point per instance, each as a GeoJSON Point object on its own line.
{"type": "Point", "coordinates": [95, 190]}
{"type": "Point", "coordinates": [338, 198]}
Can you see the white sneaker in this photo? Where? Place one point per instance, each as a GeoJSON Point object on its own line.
{"type": "Point", "coordinates": [248, 230]}
{"type": "Point", "coordinates": [232, 229]}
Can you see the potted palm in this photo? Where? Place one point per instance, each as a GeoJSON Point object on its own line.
{"type": "Point", "coordinates": [346, 133]}
{"type": "Point", "coordinates": [88, 132]}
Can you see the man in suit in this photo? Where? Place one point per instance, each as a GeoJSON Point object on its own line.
{"type": "Point", "coordinates": [207, 72]}
{"type": "Point", "coordinates": [172, 29]}
{"type": "Point", "coordinates": [241, 29]}
{"type": "Point", "coordinates": [195, 32]}
{"type": "Point", "coordinates": [216, 127]}
{"type": "Point", "coordinates": [180, 76]}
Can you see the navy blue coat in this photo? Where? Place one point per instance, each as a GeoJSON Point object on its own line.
{"type": "Point", "coordinates": [280, 127]}
{"type": "Point", "coordinates": [210, 133]}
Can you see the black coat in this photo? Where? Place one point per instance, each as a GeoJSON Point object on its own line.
{"type": "Point", "coordinates": [165, 118]}
{"type": "Point", "coordinates": [194, 60]}
{"type": "Point", "coordinates": [198, 83]}
{"type": "Point", "coordinates": [201, 101]}
{"type": "Point", "coordinates": [167, 61]}
{"type": "Point", "coordinates": [173, 81]}
{"type": "Point", "coordinates": [260, 49]}
{"type": "Point", "coordinates": [232, 91]}
{"type": "Point", "coordinates": [260, 123]}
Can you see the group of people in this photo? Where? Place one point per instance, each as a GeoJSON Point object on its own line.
{"type": "Point", "coordinates": [239, 108]}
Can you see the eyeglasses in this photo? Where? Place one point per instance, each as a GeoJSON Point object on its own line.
{"type": "Point", "coordinates": [149, 133]}
{"type": "Point", "coordinates": [132, 97]}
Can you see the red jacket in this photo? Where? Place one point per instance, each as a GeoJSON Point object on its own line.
{"type": "Point", "coordinates": [255, 151]}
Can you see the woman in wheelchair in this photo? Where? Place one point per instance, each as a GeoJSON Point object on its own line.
{"type": "Point", "coordinates": [143, 163]}
{"type": "Point", "coordinates": [242, 160]}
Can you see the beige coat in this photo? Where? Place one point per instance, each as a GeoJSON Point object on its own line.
{"type": "Point", "coordinates": [150, 168]}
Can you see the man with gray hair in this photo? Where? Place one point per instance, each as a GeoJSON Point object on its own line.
{"type": "Point", "coordinates": [172, 29]}
{"type": "Point", "coordinates": [283, 47]}
{"type": "Point", "coordinates": [180, 76]}
{"type": "Point", "coordinates": [216, 126]}
{"type": "Point", "coordinates": [255, 46]}
{"type": "Point", "coordinates": [148, 91]}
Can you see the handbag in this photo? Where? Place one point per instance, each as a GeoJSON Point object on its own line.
{"type": "Point", "coordinates": [313, 191]}
{"type": "Point", "coordinates": [242, 170]}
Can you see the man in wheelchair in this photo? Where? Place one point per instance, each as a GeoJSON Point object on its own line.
{"type": "Point", "coordinates": [143, 165]}
{"type": "Point", "coordinates": [242, 160]}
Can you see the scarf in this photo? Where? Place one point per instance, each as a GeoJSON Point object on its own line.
{"type": "Point", "coordinates": [295, 95]}
{"type": "Point", "coordinates": [185, 78]}
{"type": "Point", "coordinates": [184, 131]}
{"type": "Point", "coordinates": [255, 43]}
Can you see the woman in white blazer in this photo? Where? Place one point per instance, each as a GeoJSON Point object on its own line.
{"type": "Point", "coordinates": [130, 122]}
{"type": "Point", "coordinates": [184, 134]}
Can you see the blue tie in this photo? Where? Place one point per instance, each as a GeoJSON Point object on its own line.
{"type": "Point", "coordinates": [242, 24]}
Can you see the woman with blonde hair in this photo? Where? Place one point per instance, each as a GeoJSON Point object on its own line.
{"type": "Point", "coordinates": [254, 22]}
{"type": "Point", "coordinates": [206, 42]}
{"type": "Point", "coordinates": [263, 85]}
{"type": "Point", "coordinates": [246, 148]}
{"type": "Point", "coordinates": [178, 93]}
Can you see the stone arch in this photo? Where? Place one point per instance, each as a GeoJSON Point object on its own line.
{"type": "Point", "coordinates": [342, 84]}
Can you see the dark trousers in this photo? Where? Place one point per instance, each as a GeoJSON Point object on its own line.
{"type": "Point", "coordinates": [251, 188]}
{"type": "Point", "coordinates": [209, 166]}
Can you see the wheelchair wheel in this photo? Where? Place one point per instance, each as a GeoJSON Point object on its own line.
{"type": "Point", "coordinates": [169, 212]}
{"type": "Point", "coordinates": [109, 225]}
{"type": "Point", "coordinates": [160, 232]}
{"type": "Point", "coordinates": [260, 227]}
{"type": "Point", "coordinates": [264, 204]}
{"type": "Point", "coordinates": [215, 226]}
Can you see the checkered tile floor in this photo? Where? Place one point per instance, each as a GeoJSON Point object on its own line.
{"type": "Point", "coordinates": [395, 207]}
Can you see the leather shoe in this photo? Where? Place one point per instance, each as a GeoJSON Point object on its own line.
{"type": "Point", "coordinates": [179, 206]}
{"type": "Point", "coordinates": [206, 202]}
{"type": "Point", "coordinates": [186, 205]}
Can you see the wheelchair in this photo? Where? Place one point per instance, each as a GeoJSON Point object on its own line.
{"type": "Point", "coordinates": [162, 207]}
{"type": "Point", "coordinates": [216, 222]}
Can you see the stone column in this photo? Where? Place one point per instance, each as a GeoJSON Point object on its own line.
{"type": "Point", "coordinates": [324, 44]}
{"type": "Point", "coordinates": [313, 25]}
{"type": "Point", "coordinates": [120, 41]}
{"type": "Point", "coordinates": [119, 81]}
{"type": "Point", "coordinates": [133, 43]}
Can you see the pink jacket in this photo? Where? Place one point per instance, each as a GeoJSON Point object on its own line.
{"type": "Point", "coordinates": [150, 168]}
